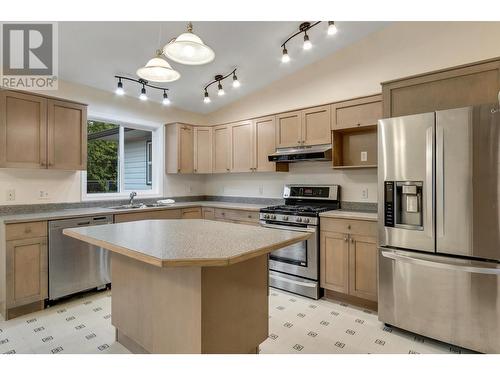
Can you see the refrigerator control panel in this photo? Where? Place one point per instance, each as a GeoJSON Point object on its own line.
{"type": "Point", "coordinates": [389, 204]}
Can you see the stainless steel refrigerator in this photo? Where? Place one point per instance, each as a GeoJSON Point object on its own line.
{"type": "Point", "coordinates": [439, 225]}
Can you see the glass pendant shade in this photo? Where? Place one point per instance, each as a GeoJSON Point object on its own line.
{"type": "Point", "coordinates": [189, 49]}
{"type": "Point", "coordinates": [158, 70]}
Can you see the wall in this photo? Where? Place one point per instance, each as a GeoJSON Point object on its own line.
{"type": "Point", "coordinates": [399, 50]}
{"type": "Point", "coordinates": [270, 185]}
{"type": "Point", "coordinates": [65, 186]}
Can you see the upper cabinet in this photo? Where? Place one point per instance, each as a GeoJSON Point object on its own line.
{"type": "Point", "coordinates": [316, 126]}
{"type": "Point", "coordinates": [221, 149]}
{"type": "Point", "coordinates": [289, 129]}
{"type": "Point", "coordinates": [357, 113]}
{"type": "Point", "coordinates": [242, 146]}
{"type": "Point", "coordinates": [308, 127]}
{"type": "Point", "coordinates": [264, 138]}
{"type": "Point", "coordinates": [38, 132]}
{"type": "Point", "coordinates": [179, 141]}
{"type": "Point", "coordinates": [67, 135]}
{"type": "Point", "coordinates": [454, 87]}
{"type": "Point", "coordinates": [203, 150]}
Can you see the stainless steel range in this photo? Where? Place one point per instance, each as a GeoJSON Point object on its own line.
{"type": "Point", "coordinates": [295, 268]}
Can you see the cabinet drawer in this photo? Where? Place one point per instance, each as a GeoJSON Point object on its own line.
{"type": "Point", "coordinates": [236, 215]}
{"type": "Point", "coordinates": [149, 215]}
{"type": "Point", "coordinates": [208, 213]}
{"type": "Point", "coordinates": [191, 213]}
{"type": "Point", "coordinates": [25, 230]}
{"type": "Point", "coordinates": [359, 227]}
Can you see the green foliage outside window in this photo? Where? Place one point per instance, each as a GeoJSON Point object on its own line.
{"type": "Point", "coordinates": [102, 163]}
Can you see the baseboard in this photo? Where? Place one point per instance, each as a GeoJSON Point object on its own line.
{"type": "Point", "coordinates": [361, 302]}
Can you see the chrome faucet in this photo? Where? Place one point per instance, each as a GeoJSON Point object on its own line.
{"type": "Point", "coordinates": [132, 196]}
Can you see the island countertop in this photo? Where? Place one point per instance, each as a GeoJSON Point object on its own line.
{"type": "Point", "coordinates": [187, 242]}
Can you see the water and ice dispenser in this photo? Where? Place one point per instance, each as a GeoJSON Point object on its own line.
{"type": "Point", "coordinates": [403, 204]}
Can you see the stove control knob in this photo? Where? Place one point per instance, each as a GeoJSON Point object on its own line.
{"type": "Point", "coordinates": [273, 217]}
{"type": "Point", "coordinates": [306, 220]}
{"type": "Point", "coordinates": [298, 220]}
{"type": "Point", "coordinates": [285, 218]}
{"type": "Point", "coordinates": [266, 216]}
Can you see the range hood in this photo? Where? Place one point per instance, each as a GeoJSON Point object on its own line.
{"type": "Point", "coordinates": [306, 153]}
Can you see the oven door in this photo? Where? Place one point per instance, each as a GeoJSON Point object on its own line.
{"type": "Point", "coordinates": [300, 259]}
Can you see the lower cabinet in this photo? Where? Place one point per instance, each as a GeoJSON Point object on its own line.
{"type": "Point", "coordinates": [208, 213]}
{"type": "Point", "coordinates": [348, 258]}
{"type": "Point", "coordinates": [25, 281]}
{"type": "Point", "coordinates": [237, 216]}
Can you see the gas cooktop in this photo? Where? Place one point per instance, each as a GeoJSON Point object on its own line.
{"type": "Point", "coordinates": [294, 209]}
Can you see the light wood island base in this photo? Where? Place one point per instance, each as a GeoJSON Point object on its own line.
{"type": "Point", "coordinates": [190, 309]}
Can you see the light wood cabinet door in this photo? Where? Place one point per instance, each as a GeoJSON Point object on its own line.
{"type": "Point", "coordinates": [202, 150]}
{"type": "Point", "coordinates": [208, 213]}
{"type": "Point", "coordinates": [23, 130]}
{"type": "Point", "coordinates": [67, 135]}
{"type": "Point", "coordinates": [191, 213]}
{"type": "Point", "coordinates": [221, 154]}
{"type": "Point", "coordinates": [334, 261]}
{"type": "Point", "coordinates": [289, 129]}
{"type": "Point", "coordinates": [26, 266]}
{"type": "Point", "coordinates": [357, 113]}
{"type": "Point", "coordinates": [242, 150]}
{"type": "Point", "coordinates": [265, 143]}
{"type": "Point", "coordinates": [149, 215]}
{"type": "Point", "coordinates": [186, 152]}
{"type": "Point", "coordinates": [316, 128]}
{"type": "Point", "coordinates": [363, 267]}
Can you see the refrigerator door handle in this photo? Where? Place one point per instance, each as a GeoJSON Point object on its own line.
{"type": "Point", "coordinates": [429, 177]}
{"type": "Point", "coordinates": [437, 264]}
{"type": "Point", "coordinates": [440, 181]}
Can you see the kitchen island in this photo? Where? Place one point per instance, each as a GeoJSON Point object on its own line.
{"type": "Point", "coordinates": [189, 286]}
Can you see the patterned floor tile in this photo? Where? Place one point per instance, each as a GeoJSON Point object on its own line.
{"type": "Point", "coordinates": [297, 325]}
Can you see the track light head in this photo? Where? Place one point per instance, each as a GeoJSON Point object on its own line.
{"type": "Point", "coordinates": [119, 89]}
{"type": "Point", "coordinates": [143, 95]}
{"type": "Point", "coordinates": [166, 100]}
{"type": "Point", "coordinates": [332, 28]}
{"type": "Point", "coordinates": [307, 43]}
{"type": "Point", "coordinates": [221, 91]}
{"type": "Point", "coordinates": [236, 83]}
{"type": "Point", "coordinates": [285, 57]}
{"type": "Point", "coordinates": [206, 99]}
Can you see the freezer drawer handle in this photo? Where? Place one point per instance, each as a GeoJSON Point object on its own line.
{"type": "Point", "coordinates": [447, 266]}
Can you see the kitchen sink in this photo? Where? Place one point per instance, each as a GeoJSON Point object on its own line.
{"type": "Point", "coordinates": [128, 206]}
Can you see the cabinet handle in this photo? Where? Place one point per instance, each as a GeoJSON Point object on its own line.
{"type": "Point", "coordinates": [359, 124]}
{"type": "Point", "coordinates": [195, 170]}
{"type": "Point", "coordinates": [351, 239]}
{"type": "Point", "coordinates": [27, 230]}
{"type": "Point", "coordinates": [349, 227]}
{"type": "Point", "coordinates": [346, 238]}
{"type": "Point", "coordinates": [227, 169]}
{"type": "Point", "coordinates": [178, 170]}
{"type": "Point", "coordinates": [249, 216]}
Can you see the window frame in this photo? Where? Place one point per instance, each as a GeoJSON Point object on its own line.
{"type": "Point", "coordinates": [156, 190]}
{"type": "Point", "coordinates": [149, 162]}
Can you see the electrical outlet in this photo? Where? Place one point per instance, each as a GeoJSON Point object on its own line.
{"type": "Point", "coordinates": [364, 194]}
{"type": "Point", "coordinates": [43, 194]}
{"type": "Point", "coordinates": [364, 156]}
{"type": "Point", "coordinates": [11, 195]}
{"type": "Point", "coordinates": [261, 190]}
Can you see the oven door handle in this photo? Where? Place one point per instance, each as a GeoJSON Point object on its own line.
{"type": "Point", "coordinates": [285, 227]}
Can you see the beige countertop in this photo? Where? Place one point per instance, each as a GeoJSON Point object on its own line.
{"type": "Point", "coordinates": [354, 215]}
{"type": "Point", "coordinates": [188, 242]}
{"type": "Point", "coordinates": [80, 212]}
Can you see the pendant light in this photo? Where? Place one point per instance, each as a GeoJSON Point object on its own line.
{"type": "Point", "coordinates": [236, 83]}
{"type": "Point", "coordinates": [189, 49]}
{"type": "Point", "coordinates": [332, 28]}
{"type": "Point", "coordinates": [119, 89]}
{"type": "Point", "coordinates": [143, 95]}
{"type": "Point", "coordinates": [158, 70]}
{"type": "Point", "coordinates": [166, 100]}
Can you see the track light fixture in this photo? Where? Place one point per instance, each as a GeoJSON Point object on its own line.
{"type": "Point", "coordinates": [220, 90]}
{"type": "Point", "coordinates": [119, 88]}
{"type": "Point", "coordinates": [144, 83]}
{"type": "Point", "coordinates": [304, 28]}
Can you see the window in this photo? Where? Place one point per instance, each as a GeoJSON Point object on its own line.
{"type": "Point", "coordinates": [120, 159]}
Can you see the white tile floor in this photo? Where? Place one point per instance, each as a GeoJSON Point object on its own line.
{"type": "Point", "coordinates": [296, 325]}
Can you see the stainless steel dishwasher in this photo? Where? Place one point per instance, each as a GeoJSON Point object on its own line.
{"type": "Point", "coordinates": [76, 266]}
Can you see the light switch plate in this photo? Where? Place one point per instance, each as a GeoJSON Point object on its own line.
{"type": "Point", "coordinates": [364, 156]}
{"type": "Point", "coordinates": [364, 194]}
